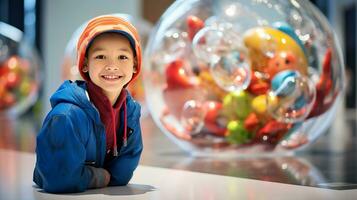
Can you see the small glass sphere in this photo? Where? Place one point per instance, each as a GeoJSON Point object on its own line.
{"type": "Point", "coordinates": [291, 97]}
{"type": "Point", "coordinates": [19, 72]}
{"type": "Point", "coordinates": [243, 77]}
{"type": "Point", "coordinates": [211, 43]}
{"type": "Point", "coordinates": [232, 72]}
{"type": "Point", "coordinates": [192, 117]}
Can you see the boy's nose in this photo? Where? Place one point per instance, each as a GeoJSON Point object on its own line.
{"type": "Point", "coordinates": [111, 67]}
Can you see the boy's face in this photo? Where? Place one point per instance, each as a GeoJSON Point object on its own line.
{"type": "Point", "coordinates": [110, 62]}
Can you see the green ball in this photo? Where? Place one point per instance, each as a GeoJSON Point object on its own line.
{"type": "Point", "coordinates": [237, 134]}
{"type": "Point", "coordinates": [237, 105]}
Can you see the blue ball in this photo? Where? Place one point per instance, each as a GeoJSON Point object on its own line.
{"type": "Point", "coordinates": [283, 83]}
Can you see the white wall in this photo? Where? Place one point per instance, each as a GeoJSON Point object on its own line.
{"type": "Point", "coordinates": [60, 19]}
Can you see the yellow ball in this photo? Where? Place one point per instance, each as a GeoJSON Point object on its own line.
{"type": "Point", "coordinates": [259, 104]}
{"type": "Point", "coordinates": [263, 42]}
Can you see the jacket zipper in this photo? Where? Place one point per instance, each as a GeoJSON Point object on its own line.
{"type": "Point", "coordinates": [99, 137]}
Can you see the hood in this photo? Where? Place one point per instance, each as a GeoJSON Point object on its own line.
{"type": "Point", "coordinates": [74, 93]}
{"type": "Point", "coordinates": [70, 92]}
{"type": "Point", "coordinates": [102, 24]}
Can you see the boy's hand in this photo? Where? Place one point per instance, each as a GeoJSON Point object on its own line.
{"type": "Point", "coordinates": [101, 177]}
{"type": "Point", "coordinates": [106, 177]}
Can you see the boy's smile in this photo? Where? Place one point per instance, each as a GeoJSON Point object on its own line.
{"type": "Point", "coordinates": [110, 63]}
{"type": "Point", "coordinates": [111, 77]}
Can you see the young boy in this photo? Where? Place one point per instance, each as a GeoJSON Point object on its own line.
{"type": "Point", "coordinates": [92, 138]}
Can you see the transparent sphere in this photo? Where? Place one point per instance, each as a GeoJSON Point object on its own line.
{"type": "Point", "coordinates": [19, 72]}
{"type": "Point", "coordinates": [291, 97]}
{"type": "Point", "coordinates": [211, 43]}
{"type": "Point", "coordinates": [232, 72]}
{"type": "Point", "coordinates": [243, 77]}
{"type": "Point", "coordinates": [192, 116]}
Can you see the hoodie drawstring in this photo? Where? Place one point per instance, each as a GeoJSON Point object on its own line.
{"type": "Point", "coordinates": [115, 148]}
{"type": "Point", "coordinates": [125, 141]}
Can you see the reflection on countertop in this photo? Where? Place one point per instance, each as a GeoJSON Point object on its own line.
{"type": "Point", "coordinates": [318, 166]}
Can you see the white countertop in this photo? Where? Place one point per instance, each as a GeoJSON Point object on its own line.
{"type": "Point", "coordinates": [158, 183]}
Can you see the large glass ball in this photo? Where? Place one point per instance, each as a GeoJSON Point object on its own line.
{"type": "Point", "coordinates": [19, 72]}
{"type": "Point", "coordinates": [243, 77]}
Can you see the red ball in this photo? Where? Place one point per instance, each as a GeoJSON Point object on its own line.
{"type": "Point", "coordinates": [213, 119]}
{"type": "Point", "coordinates": [7, 100]}
{"type": "Point", "coordinates": [194, 24]}
{"type": "Point", "coordinates": [176, 75]}
{"type": "Point", "coordinates": [13, 80]}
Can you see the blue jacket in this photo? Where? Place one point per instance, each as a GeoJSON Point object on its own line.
{"type": "Point", "coordinates": [71, 144]}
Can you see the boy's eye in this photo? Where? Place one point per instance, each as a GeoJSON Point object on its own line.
{"type": "Point", "coordinates": [99, 57]}
{"type": "Point", "coordinates": [123, 57]}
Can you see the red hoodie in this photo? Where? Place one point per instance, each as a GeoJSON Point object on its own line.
{"type": "Point", "coordinates": [110, 115]}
